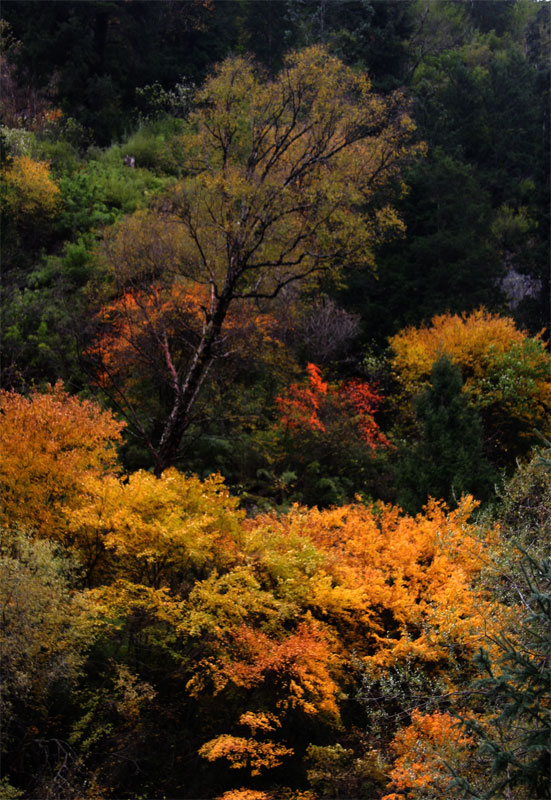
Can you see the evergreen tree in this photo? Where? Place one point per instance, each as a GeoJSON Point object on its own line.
{"type": "Point", "coordinates": [448, 459]}
{"type": "Point", "coordinates": [514, 688]}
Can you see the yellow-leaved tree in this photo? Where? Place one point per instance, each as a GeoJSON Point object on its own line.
{"type": "Point", "coordinates": [506, 373]}
{"type": "Point", "coordinates": [31, 195]}
{"type": "Point", "coordinates": [284, 178]}
{"type": "Point", "coordinates": [153, 531]}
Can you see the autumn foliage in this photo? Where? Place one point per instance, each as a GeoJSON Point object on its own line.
{"type": "Point", "coordinates": [30, 190]}
{"type": "Point", "coordinates": [289, 540]}
{"type": "Point", "coordinates": [506, 374]}
{"type": "Point", "coordinates": [49, 443]}
{"type": "Point", "coordinates": [421, 750]}
{"type": "Point", "coordinates": [319, 407]}
{"type": "Point", "coordinates": [150, 331]}
{"type": "Point", "coordinates": [257, 625]}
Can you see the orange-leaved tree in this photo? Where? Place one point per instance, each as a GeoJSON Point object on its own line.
{"type": "Point", "coordinates": [49, 443]}
{"type": "Point", "coordinates": [394, 586]}
{"type": "Point", "coordinates": [284, 178]}
{"type": "Point", "coordinates": [327, 441]}
{"type": "Point", "coordinates": [321, 592]}
{"type": "Point", "coordinates": [148, 332]}
{"type": "Point", "coordinates": [422, 751]}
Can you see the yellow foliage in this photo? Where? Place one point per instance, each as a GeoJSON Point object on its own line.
{"type": "Point", "coordinates": [276, 165]}
{"type": "Point", "coordinates": [49, 444]}
{"type": "Point", "coordinates": [220, 603]}
{"type": "Point", "coordinates": [272, 609]}
{"type": "Point", "coordinates": [123, 599]}
{"type": "Point", "coordinates": [468, 340]}
{"type": "Point", "coordinates": [133, 693]}
{"type": "Point", "coordinates": [31, 192]}
{"type": "Point", "coordinates": [501, 366]}
{"type": "Point", "coordinates": [154, 528]}
{"type": "Point", "coordinates": [47, 627]}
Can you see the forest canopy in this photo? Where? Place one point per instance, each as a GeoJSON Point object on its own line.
{"type": "Point", "coordinates": [275, 440]}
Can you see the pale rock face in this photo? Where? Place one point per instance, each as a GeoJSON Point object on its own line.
{"type": "Point", "coordinates": [516, 287]}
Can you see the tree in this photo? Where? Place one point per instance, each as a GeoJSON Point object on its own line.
{"type": "Point", "coordinates": [285, 178]}
{"type": "Point", "coordinates": [327, 444]}
{"type": "Point", "coordinates": [421, 750]}
{"type": "Point", "coordinates": [506, 374]}
{"type": "Point", "coordinates": [31, 191]}
{"type": "Point", "coordinates": [448, 460]}
{"type": "Point", "coordinates": [31, 203]}
{"type": "Point", "coordinates": [48, 444]}
{"type": "Point", "coordinates": [492, 739]}
{"type": "Point", "coordinates": [317, 406]}
{"type": "Point", "coordinates": [145, 332]}
{"type": "Point", "coordinates": [47, 628]}
{"type": "Point", "coordinates": [514, 733]}
{"type": "Point", "coordinates": [444, 263]}
{"type": "Point", "coordinates": [154, 532]}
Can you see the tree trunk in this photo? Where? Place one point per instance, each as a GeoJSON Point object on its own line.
{"type": "Point", "coordinates": [179, 418]}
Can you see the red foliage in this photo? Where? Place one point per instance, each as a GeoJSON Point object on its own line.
{"type": "Point", "coordinates": [320, 407]}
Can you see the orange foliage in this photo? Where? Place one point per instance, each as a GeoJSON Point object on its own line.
{"type": "Point", "coordinates": [140, 326]}
{"type": "Point", "coordinates": [49, 444]}
{"type": "Point", "coordinates": [393, 586]}
{"type": "Point", "coordinates": [157, 328]}
{"type": "Point", "coordinates": [268, 613]}
{"type": "Point", "coordinates": [300, 407]}
{"type": "Point", "coordinates": [244, 794]}
{"type": "Point", "coordinates": [244, 753]}
{"type": "Point", "coordinates": [361, 398]}
{"type": "Point", "coordinates": [318, 406]}
{"type": "Point", "coordinates": [421, 749]}
{"type": "Point", "coordinates": [297, 667]}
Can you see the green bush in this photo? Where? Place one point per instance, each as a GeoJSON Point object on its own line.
{"type": "Point", "coordinates": [105, 190]}
{"type": "Point", "coordinates": [156, 146]}
{"type": "Point", "coordinates": [60, 154]}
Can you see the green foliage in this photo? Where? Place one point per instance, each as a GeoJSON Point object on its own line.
{"type": "Point", "coordinates": [101, 51]}
{"type": "Point", "coordinates": [8, 791]}
{"type": "Point", "coordinates": [155, 102]}
{"type": "Point", "coordinates": [335, 771]}
{"type": "Point", "coordinates": [62, 156]}
{"type": "Point", "coordinates": [515, 743]}
{"type": "Point", "coordinates": [157, 146]}
{"type": "Point", "coordinates": [43, 321]}
{"type": "Point", "coordinates": [105, 190]}
{"type": "Point", "coordinates": [448, 460]}
{"type": "Point", "coordinates": [46, 632]}
{"type": "Point", "coordinates": [17, 142]}
{"type": "Point", "coordinates": [446, 261]}
{"type": "Point", "coordinates": [385, 697]}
